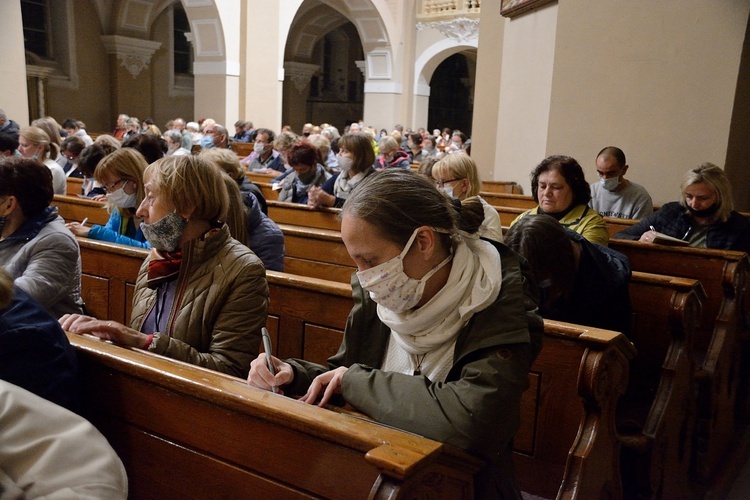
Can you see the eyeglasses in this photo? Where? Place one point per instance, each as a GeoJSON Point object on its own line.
{"type": "Point", "coordinates": [443, 183]}
{"type": "Point", "coordinates": [113, 186]}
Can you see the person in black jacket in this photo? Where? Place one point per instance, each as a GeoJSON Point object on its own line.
{"type": "Point", "coordinates": [703, 217]}
{"type": "Point", "coordinates": [578, 281]}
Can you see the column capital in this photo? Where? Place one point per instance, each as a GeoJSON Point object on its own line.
{"type": "Point", "coordinates": [300, 73]}
{"type": "Point", "coordinates": [134, 53]}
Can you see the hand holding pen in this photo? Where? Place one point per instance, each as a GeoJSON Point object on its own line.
{"type": "Point", "coordinates": [79, 229]}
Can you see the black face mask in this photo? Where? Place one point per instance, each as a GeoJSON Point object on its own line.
{"type": "Point", "coordinates": [706, 212]}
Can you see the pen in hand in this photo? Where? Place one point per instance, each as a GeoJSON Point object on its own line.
{"type": "Point", "coordinates": [653, 229]}
{"type": "Point", "coordinates": [267, 347]}
{"type": "Point", "coordinates": [84, 221]}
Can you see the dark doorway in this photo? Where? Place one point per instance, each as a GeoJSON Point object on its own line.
{"type": "Point", "coordinates": [452, 93]}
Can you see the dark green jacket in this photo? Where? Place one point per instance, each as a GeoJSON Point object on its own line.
{"type": "Point", "coordinates": [477, 408]}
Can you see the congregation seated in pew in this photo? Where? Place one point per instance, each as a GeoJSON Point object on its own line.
{"type": "Point", "coordinates": [560, 189]}
{"type": "Point", "coordinates": [200, 296]}
{"type": "Point", "coordinates": [419, 344]}
{"type": "Point", "coordinates": [306, 173]}
{"type": "Point", "coordinates": [703, 217]}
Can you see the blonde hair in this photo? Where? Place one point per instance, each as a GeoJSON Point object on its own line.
{"type": "Point", "coordinates": [127, 164]}
{"type": "Point", "coordinates": [284, 141]}
{"type": "Point", "coordinates": [38, 136]}
{"type": "Point", "coordinates": [715, 178]}
{"type": "Point", "coordinates": [322, 144]}
{"type": "Point", "coordinates": [459, 167]}
{"type": "Point", "coordinates": [226, 160]}
{"type": "Point", "coordinates": [49, 125]}
{"type": "Point", "coordinates": [107, 140]}
{"type": "Point", "coordinates": [192, 184]}
{"type": "Point", "coordinates": [387, 143]}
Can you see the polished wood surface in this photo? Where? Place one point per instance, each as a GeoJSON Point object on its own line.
{"type": "Point", "coordinates": [718, 338]}
{"type": "Point", "coordinates": [76, 209]}
{"type": "Point", "coordinates": [227, 439]}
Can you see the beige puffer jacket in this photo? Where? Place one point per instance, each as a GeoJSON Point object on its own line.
{"type": "Point", "coordinates": [220, 305]}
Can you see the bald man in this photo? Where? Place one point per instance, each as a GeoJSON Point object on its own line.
{"type": "Point", "coordinates": [615, 196]}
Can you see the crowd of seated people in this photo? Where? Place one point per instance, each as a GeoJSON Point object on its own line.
{"type": "Point", "coordinates": [202, 296]}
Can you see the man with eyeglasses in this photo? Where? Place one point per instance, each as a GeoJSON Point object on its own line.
{"type": "Point", "coordinates": [264, 157]}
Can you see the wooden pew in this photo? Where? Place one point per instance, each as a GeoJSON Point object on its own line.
{"type": "Point", "coordinates": [260, 177]}
{"type": "Point", "coordinates": [301, 215]}
{"type": "Point", "coordinates": [241, 149]}
{"type": "Point", "coordinates": [74, 186]}
{"type": "Point", "coordinates": [75, 209]}
{"type": "Point", "coordinates": [567, 443]}
{"type": "Point", "coordinates": [503, 199]}
{"type": "Point", "coordinates": [510, 187]}
{"type": "Point", "coordinates": [723, 275]}
{"type": "Point", "coordinates": [231, 440]}
{"type": "Point", "coordinates": [268, 192]}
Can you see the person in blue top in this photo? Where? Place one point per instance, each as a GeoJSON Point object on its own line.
{"type": "Point", "coordinates": [121, 173]}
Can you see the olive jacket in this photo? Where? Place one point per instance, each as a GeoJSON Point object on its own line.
{"type": "Point", "coordinates": [477, 408]}
{"type": "Point", "coordinates": [219, 306]}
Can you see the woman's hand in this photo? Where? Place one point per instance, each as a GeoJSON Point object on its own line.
{"type": "Point", "coordinates": [105, 330]}
{"type": "Point", "coordinates": [331, 381]}
{"type": "Point", "coordinates": [648, 237]}
{"type": "Point", "coordinates": [78, 229]}
{"type": "Point", "coordinates": [100, 197]}
{"type": "Point", "coordinates": [317, 198]}
{"type": "Point", "coordinates": [261, 377]}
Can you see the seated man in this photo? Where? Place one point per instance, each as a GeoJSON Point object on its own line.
{"type": "Point", "coordinates": [241, 134]}
{"type": "Point", "coordinates": [8, 126]}
{"type": "Point", "coordinates": [215, 136]}
{"type": "Point", "coordinates": [72, 127]}
{"type": "Point", "coordinates": [579, 281]}
{"type": "Point", "coordinates": [264, 157]}
{"type": "Point", "coordinates": [614, 195]}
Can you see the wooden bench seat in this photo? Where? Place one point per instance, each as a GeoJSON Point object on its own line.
{"type": "Point", "coordinates": [73, 186]}
{"type": "Point", "coordinates": [723, 275]}
{"type": "Point", "coordinates": [567, 445]}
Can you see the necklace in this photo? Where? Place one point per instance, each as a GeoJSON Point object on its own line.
{"type": "Point", "coordinates": [417, 362]}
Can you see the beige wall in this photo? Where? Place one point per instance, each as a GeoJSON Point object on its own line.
{"type": "Point", "coordinates": [657, 79]}
{"type": "Point", "coordinates": [13, 96]}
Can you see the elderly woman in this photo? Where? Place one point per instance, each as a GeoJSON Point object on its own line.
{"type": "Point", "coordinates": [201, 296]}
{"type": "Point", "coordinates": [121, 174]}
{"type": "Point", "coordinates": [34, 142]}
{"type": "Point", "coordinates": [560, 188]}
{"type": "Point", "coordinates": [35, 248]}
{"type": "Point", "coordinates": [303, 158]}
{"type": "Point", "coordinates": [703, 217]}
{"type": "Point", "coordinates": [355, 161]}
{"type": "Point", "coordinates": [391, 155]}
{"type": "Point", "coordinates": [442, 333]}
{"type": "Point", "coordinates": [457, 177]}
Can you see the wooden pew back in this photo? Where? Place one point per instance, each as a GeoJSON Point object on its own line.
{"type": "Point", "coordinates": [75, 209]}
{"type": "Point", "coordinates": [231, 440]}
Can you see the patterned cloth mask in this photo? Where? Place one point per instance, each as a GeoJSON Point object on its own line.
{"type": "Point", "coordinates": [165, 233]}
{"type": "Point", "coordinates": [390, 286]}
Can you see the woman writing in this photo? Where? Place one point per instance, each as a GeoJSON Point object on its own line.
{"type": "Point", "coordinates": [457, 176]}
{"type": "Point", "coordinates": [704, 216]}
{"type": "Point", "coordinates": [355, 161]}
{"type": "Point", "coordinates": [201, 296]}
{"type": "Point", "coordinates": [121, 173]}
{"type": "Point", "coordinates": [561, 191]}
{"type": "Point", "coordinates": [442, 333]}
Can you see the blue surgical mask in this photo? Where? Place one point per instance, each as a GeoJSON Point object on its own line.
{"type": "Point", "coordinates": [609, 184]}
{"type": "Point", "coordinates": [207, 142]}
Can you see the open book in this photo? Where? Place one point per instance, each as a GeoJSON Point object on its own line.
{"type": "Point", "coordinates": [665, 239]}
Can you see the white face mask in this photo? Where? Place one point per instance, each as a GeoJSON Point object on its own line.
{"type": "Point", "coordinates": [344, 162]}
{"type": "Point", "coordinates": [390, 286]}
{"type": "Point", "coordinates": [121, 199]}
{"type": "Point", "coordinates": [609, 184]}
{"type": "Point", "coordinates": [448, 190]}
{"type": "Point", "coordinates": [259, 147]}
